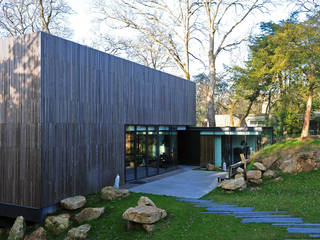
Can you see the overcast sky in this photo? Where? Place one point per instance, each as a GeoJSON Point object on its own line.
{"type": "Point", "coordinates": [82, 24]}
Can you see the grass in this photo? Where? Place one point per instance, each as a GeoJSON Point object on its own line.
{"type": "Point", "coordinates": [299, 195]}
{"type": "Point", "coordinates": [295, 144]}
{"type": "Point", "coordinates": [184, 221]}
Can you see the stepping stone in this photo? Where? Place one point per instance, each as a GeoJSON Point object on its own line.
{"type": "Point", "coordinates": [298, 225]}
{"type": "Point", "coordinates": [272, 220]}
{"type": "Point", "coordinates": [262, 216]}
{"type": "Point", "coordinates": [231, 209]}
{"type": "Point", "coordinates": [193, 200]}
{"type": "Point", "coordinates": [221, 213]}
{"type": "Point", "coordinates": [213, 205]}
{"type": "Point", "coordinates": [259, 212]}
{"type": "Point", "coordinates": [303, 230]}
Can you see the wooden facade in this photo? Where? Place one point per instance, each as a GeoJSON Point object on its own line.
{"type": "Point", "coordinates": [64, 108]}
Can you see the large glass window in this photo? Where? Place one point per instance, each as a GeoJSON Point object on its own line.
{"type": "Point", "coordinates": [150, 150]}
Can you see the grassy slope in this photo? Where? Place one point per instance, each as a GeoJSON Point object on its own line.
{"type": "Point", "coordinates": [293, 145]}
{"type": "Point", "coordinates": [183, 222]}
{"type": "Point", "coordinates": [298, 195]}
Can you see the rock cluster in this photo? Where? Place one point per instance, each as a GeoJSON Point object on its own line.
{"type": "Point", "coordinates": [57, 224]}
{"type": "Point", "coordinates": [110, 193]}
{"type": "Point", "coordinates": [145, 215]}
{"type": "Point", "coordinates": [292, 161]}
{"type": "Point", "coordinates": [210, 167]}
{"type": "Point", "coordinates": [89, 214]}
{"type": "Point", "coordinates": [253, 176]}
{"type": "Point", "coordinates": [60, 223]}
{"type": "Point", "coordinates": [18, 229]}
{"type": "Point", "coordinates": [38, 234]}
{"type": "Point", "coordinates": [78, 233]}
{"type": "Point", "coordinates": [73, 203]}
{"type": "Point", "coordinates": [233, 184]}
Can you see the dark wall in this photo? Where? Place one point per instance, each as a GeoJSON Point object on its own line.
{"type": "Point", "coordinates": [87, 98]}
{"type": "Point", "coordinates": [189, 147]}
{"type": "Point", "coordinates": [20, 87]}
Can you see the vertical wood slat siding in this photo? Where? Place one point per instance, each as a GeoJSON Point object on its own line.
{"type": "Point", "coordinates": [67, 135]}
{"type": "Point", "coordinates": [110, 92]}
{"type": "Point", "coordinates": [206, 150]}
{"type": "Point", "coordinates": [20, 132]}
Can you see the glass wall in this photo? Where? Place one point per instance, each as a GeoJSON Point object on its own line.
{"type": "Point", "coordinates": [150, 150]}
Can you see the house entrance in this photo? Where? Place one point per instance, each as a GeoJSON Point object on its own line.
{"type": "Point", "coordinates": [150, 150]}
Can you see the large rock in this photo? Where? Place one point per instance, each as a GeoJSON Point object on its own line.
{"type": "Point", "coordinates": [256, 181]}
{"type": "Point", "coordinates": [89, 214]}
{"type": "Point", "coordinates": [254, 174]}
{"type": "Point", "coordinates": [269, 161]}
{"type": "Point", "coordinates": [233, 184]}
{"type": "Point", "coordinates": [148, 227]}
{"type": "Point", "coordinates": [210, 167]}
{"type": "Point", "coordinates": [240, 170]}
{"type": "Point", "coordinates": [238, 175]}
{"type": "Point", "coordinates": [259, 166]}
{"type": "Point", "coordinates": [78, 233]}
{"type": "Point", "coordinates": [145, 201]}
{"type": "Point", "coordinates": [146, 212]}
{"type": "Point", "coordinates": [301, 162]}
{"type": "Point", "coordinates": [18, 229]}
{"type": "Point", "coordinates": [270, 173]}
{"type": "Point", "coordinates": [57, 224]}
{"type": "Point", "coordinates": [38, 234]}
{"type": "Point", "coordinates": [73, 203]}
{"type": "Point", "coordinates": [110, 193]}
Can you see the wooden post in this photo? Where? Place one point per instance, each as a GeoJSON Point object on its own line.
{"type": "Point", "coordinates": [244, 161]}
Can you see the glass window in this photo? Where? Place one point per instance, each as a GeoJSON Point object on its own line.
{"type": "Point", "coordinates": [150, 151]}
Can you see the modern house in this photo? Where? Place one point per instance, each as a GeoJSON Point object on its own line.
{"type": "Point", "coordinates": [72, 118]}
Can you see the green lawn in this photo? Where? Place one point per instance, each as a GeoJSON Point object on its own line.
{"type": "Point", "coordinates": [298, 195]}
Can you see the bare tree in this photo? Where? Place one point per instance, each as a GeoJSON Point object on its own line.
{"type": "Point", "coordinates": [308, 5]}
{"type": "Point", "coordinates": [18, 17]}
{"type": "Point", "coordinates": [168, 25]}
{"type": "Point", "coordinates": [220, 29]}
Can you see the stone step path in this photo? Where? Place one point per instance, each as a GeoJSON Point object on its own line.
{"type": "Point", "coordinates": [248, 215]}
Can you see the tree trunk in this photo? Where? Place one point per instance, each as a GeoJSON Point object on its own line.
{"type": "Point", "coordinates": [246, 114]}
{"type": "Point", "coordinates": [231, 112]}
{"type": "Point", "coordinates": [306, 124]}
{"type": "Point", "coordinates": [212, 79]}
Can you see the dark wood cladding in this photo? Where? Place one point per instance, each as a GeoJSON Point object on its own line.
{"type": "Point", "coordinates": [206, 150]}
{"type": "Point", "coordinates": [87, 97]}
{"type": "Point", "coordinates": [20, 137]}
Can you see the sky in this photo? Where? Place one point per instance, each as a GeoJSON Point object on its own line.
{"type": "Point", "coordinates": [83, 30]}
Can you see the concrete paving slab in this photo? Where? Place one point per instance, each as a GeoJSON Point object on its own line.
{"type": "Point", "coordinates": [272, 220]}
{"type": "Point", "coordinates": [262, 216]}
{"type": "Point", "coordinates": [303, 230]}
{"type": "Point", "coordinates": [188, 184]}
{"type": "Point", "coordinates": [230, 209]}
{"type": "Point", "coordinates": [299, 225]}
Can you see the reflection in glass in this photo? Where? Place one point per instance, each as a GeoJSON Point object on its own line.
{"type": "Point", "coordinates": [152, 154]}
{"type": "Point", "coordinates": [141, 166]}
{"type": "Point", "coordinates": [130, 164]}
{"type": "Point", "coordinates": [164, 151]}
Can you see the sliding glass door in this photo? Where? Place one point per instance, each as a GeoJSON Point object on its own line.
{"type": "Point", "coordinates": [150, 150]}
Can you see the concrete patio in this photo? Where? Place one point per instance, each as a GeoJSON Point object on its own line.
{"type": "Point", "coordinates": [187, 184]}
